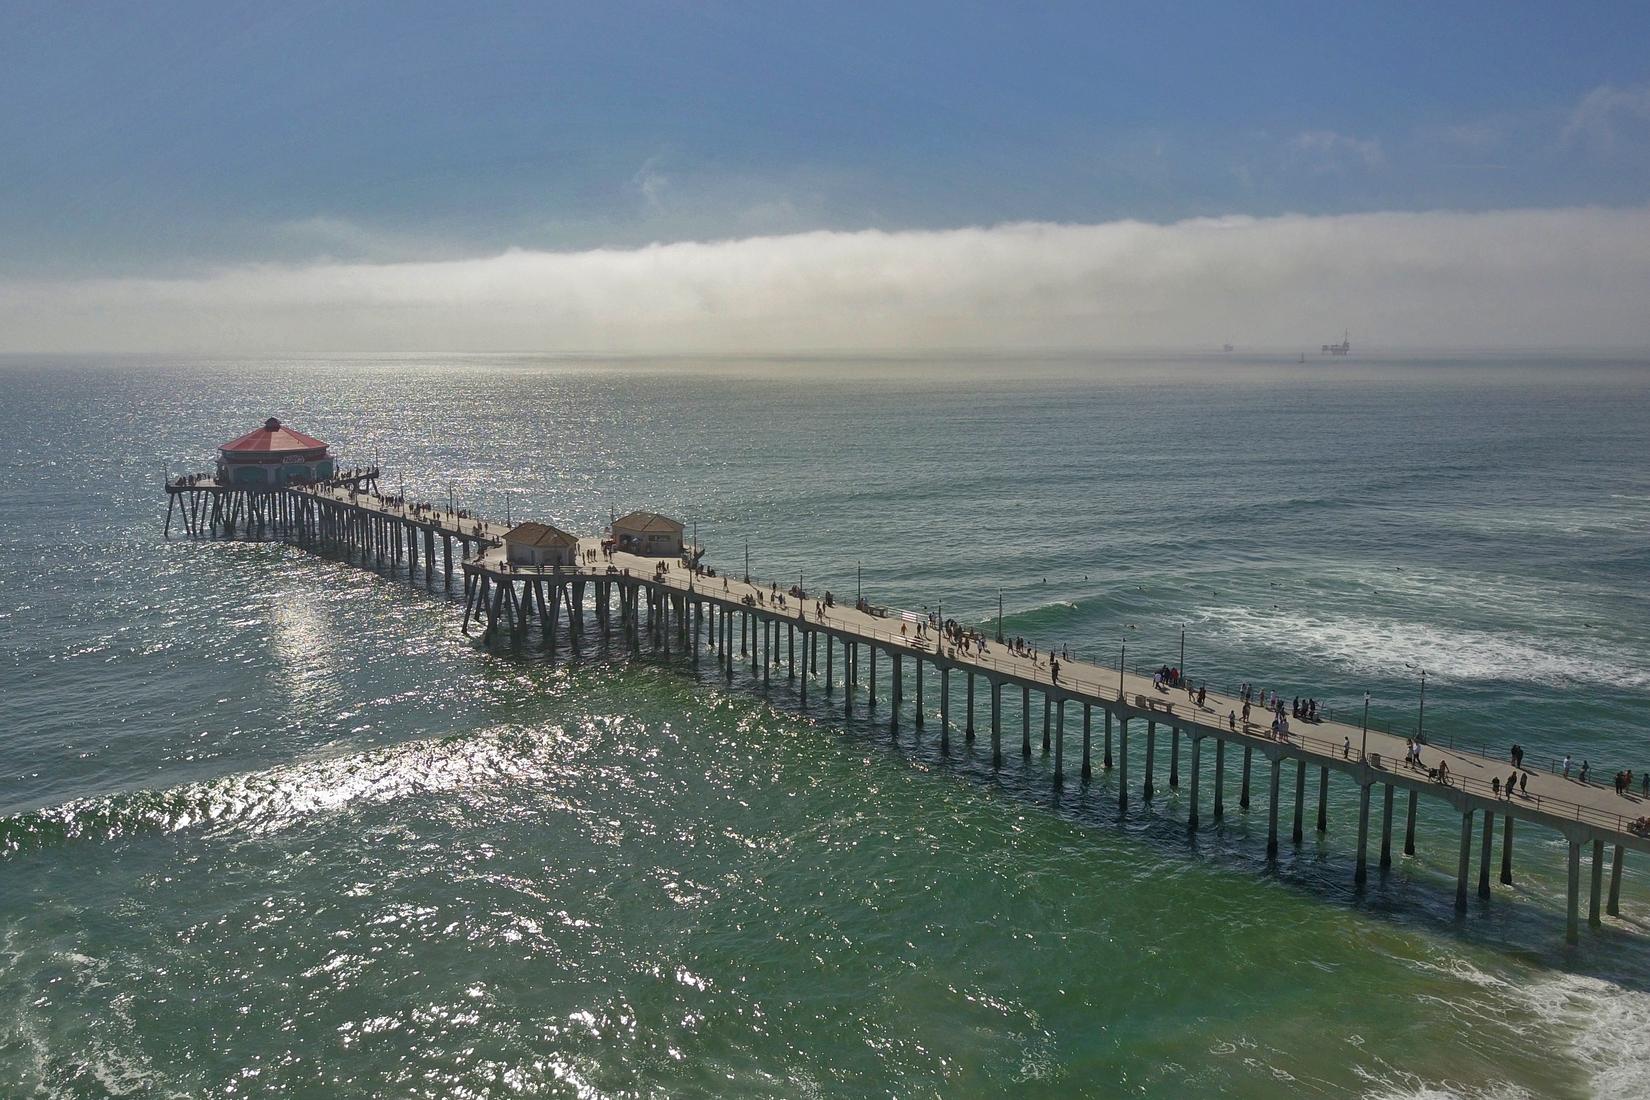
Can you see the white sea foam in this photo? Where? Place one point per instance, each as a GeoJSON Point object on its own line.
{"type": "Point", "coordinates": [1388, 646]}
{"type": "Point", "coordinates": [1573, 520]}
{"type": "Point", "coordinates": [1601, 1024]}
{"type": "Point", "coordinates": [1605, 1026]}
{"type": "Point", "coordinates": [1424, 1090]}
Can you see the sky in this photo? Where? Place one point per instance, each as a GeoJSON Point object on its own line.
{"type": "Point", "coordinates": [277, 177]}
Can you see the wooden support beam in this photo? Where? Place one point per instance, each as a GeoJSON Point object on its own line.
{"type": "Point", "coordinates": [1146, 788]}
{"type": "Point", "coordinates": [1088, 715]}
{"type": "Point", "coordinates": [1060, 743]}
{"type": "Point", "coordinates": [1572, 923]}
{"type": "Point", "coordinates": [1386, 825]}
{"type": "Point", "coordinates": [1272, 811]}
{"type": "Point", "coordinates": [1362, 874]}
{"type": "Point", "coordinates": [1197, 775]}
{"type": "Point", "coordinates": [1298, 833]}
{"type": "Point", "coordinates": [1219, 808]}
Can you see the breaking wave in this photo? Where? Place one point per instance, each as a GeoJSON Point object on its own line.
{"type": "Point", "coordinates": [1598, 1023]}
{"type": "Point", "coordinates": [1387, 646]}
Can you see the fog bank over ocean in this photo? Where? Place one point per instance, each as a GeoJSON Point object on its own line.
{"type": "Point", "coordinates": [1568, 278]}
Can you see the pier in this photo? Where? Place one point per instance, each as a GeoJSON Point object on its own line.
{"type": "Point", "coordinates": [1093, 717]}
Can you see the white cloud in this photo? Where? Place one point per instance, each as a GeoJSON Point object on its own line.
{"type": "Point", "coordinates": [1573, 277]}
{"type": "Point", "coordinates": [1605, 113]}
{"type": "Point", "coordinates": [651, 183]}
{"type": "Point", "coordinates": [1328, 151]}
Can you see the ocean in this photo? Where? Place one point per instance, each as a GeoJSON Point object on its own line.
{"type": "Point", "coordinates": [270, 825]}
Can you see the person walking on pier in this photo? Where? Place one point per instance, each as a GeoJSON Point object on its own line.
{"type": "Point", "coordinates": [1512, 781]}
{"type": "Point", "coordinates": [1524, 784]}
{"type": "Point", "coordinates": [1583, 775]}
{"type": "Point", "coordinates": [1346, 749]}
{"type": "Point", "coordinates": [1566, 765]}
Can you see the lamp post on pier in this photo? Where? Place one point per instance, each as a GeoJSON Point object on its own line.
{"type": "Point", "coordinates": [1121, 654]}
{"type": "Point", "coordinates": [1363, 749]}
{"type": "Point", "coordinates": [747, 558]}
{"type": "Point", "coordinates": [999, 616]}
{"type": "Point", "coordinates": [1421, 718]}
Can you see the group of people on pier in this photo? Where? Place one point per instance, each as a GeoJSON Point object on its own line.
{"type": "Point", "coordinates": [1019, 647]}
{"type": "Point", "coordinates": [962, 637]}
{"type": "Point", "coordinates": [340, 477]}
{"type": "Point", "coordinates": [1167, 678]}
{"type": "Point", "coordinates": [1517, 781]}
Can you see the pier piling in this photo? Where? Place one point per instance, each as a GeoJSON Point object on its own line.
{"type": "Point", "coordinates": [1362, 874]}
{"type": "Point", "coordinates": [1272, 811]}
{"type": "Point", "coordinates": [1486, 850]}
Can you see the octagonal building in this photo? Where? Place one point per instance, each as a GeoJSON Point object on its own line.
{"type": "Point", "coordinates": [272, 457]}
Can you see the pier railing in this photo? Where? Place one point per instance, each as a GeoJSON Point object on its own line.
{"type": "Point", "coordinates": [997, 657]}
{"type": "Point", "coordinates": [1351, 716]}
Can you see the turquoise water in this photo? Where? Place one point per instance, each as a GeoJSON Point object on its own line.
{"type": "Point", "coordinates": [272, 826]}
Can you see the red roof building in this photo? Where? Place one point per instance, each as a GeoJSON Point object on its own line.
{"type": "Point", "coordinates": [273, 436]}
{"type": "Point", "coordinates": [273, 456]}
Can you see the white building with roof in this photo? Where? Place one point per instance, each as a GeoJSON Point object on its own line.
{"type": "Point", "coordinates": [648, 534]}
{"type": "Point", "coordinates": [539, 544]}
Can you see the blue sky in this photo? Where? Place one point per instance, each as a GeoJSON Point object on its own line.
{"type": "Point", "coordinates": [139, 136]}
{"type": "Point", "coordinates": [174, 140]}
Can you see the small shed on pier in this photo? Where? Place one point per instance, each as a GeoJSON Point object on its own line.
{"type": "Point", "coordinates": [536, 544]}
{"type": "Point", "coordinates": [648, 534]}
